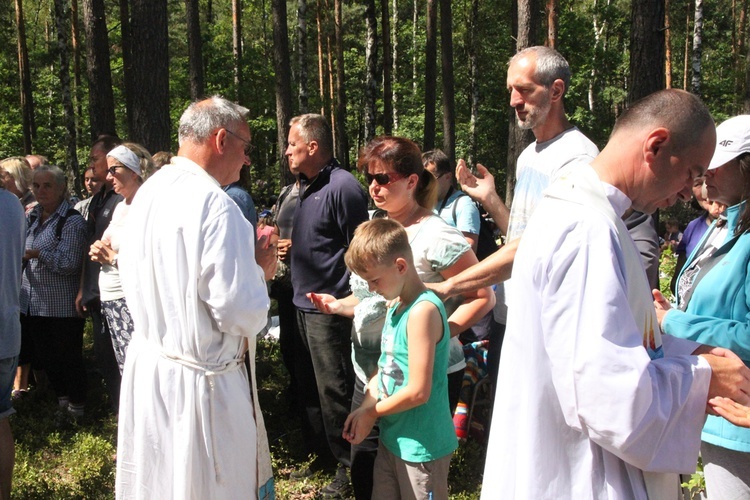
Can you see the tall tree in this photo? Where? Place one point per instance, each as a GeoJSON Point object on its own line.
{"type": "Point", "coordinates": [430, 76]}
{"type": "Point", "coordinates": [149, 43]}
{"type": "Point", "coordinates": [395, 64]}
{"type": "Point", "coordinates": [24, 73]}
{"type": "Point", "coordinates": [687, 48]}
{"type": "Point", "coordinates": [667, 45]}
{"type": "Point", "coordinates": [237, 47]}
{"type": "Point", "coordinates": [319, 21]}
{"type": "Point", "coordinates": [526, 24]}
{"type": "Point", "coordinates": [371, 69]}
{"type": "Point", "coordinates": [342, 142]}
{"type": "Point", "coordinates": [302, 96]}
{"type": "Point", "coordinates": [283, 83]}
{"type": "Point", "coordinates": [697, 47]}
{"type": "Point", "coordinates": [101, 99]}
{"type": "Point", "coordinates": [75, 39]}
{"type": "Point", "coordinates": [387, 84]}
{"type": "Point", "coordinates": [62, 16]}
{"type": "Point", "coordinates": [552, 24]}
{"type": "Point", "coordinates": [414, 72]}
{"type": "Point", "coordinates": [646, 74]}
{"type": "Point", "coordinates": [473, 80]}
{"type": "Point", "coordinates": [127, 62]}
{"type": "Point", "coordinates": [446, 59]}
{"type": "Point", "coordinates": [195, 49]}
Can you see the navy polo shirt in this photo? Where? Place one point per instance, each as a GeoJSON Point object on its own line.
{"type": "Point", "coordinates": [329, 209]}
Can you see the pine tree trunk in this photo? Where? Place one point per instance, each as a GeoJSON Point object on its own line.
{"type": "Point", "coordinates": [697, 48]}
{"type": "Point", "coordinates": [237, 48]}
{"type": "Point", "coordinates": [302, 96]}
{"type": "Point", "coordinates": [430, 76]}
{"type": "Point", "coordinates": [473, 80]}
{"type": "Point", "coordinates": [24, 73]}
{"type": "Point", "coordinates": [395, 65]}
{"type": "Point", "coordinates": [283, 84]}
{"type": "Point", "coordinates": [101, 99]}
{"type": "Point", "coordinates": [646, 74]}
{"type": "Point", "coordinates": [195, 49]}
{"type": "Point", "coordinates": [449, 99]}
{"type": "Point", "coordinates": [149, 43]}
{"type": "Point", "coordinates": [685, 67]}
{"type": "Point", "coordinates": [127, 61]}
{"type": "Point", "coordinates": [387, 63]}
{"type": "Point", "coordinates": [528, 22]}
{"type": "Point", "coordinates": [342, 144]}
{"type": "Point", "coordinates": [371, 65]}
{"type": "Point", "coordinates": [75, 39]}
{"type": "Point", "coordinates": [321, 63]}
{"type": "Point", "coordinates": [552, 24]}
{"type": "Point", "coordinates": [62, 15]}
{"type": "Point", "coordinates": [667, 46]}
{"type": "Point", "coordinates": [414, 73]}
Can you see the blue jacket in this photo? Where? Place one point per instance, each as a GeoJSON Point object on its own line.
{"type": "Point", "coordinates": [718, 313]}
{"type": "Point", "coordinates": [329, 209]}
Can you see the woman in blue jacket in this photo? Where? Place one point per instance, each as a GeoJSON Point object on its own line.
{"type": "Point", "coordinates": [713, 300]}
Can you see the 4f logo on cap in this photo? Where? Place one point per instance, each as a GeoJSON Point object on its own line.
{"type": "Point", "coordinates": [726, 142]}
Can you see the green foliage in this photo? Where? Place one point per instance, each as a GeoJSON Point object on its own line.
{"type": "Point", "coordinates": [696, 485]}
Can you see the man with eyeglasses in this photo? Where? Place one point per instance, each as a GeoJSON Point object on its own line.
{"type": "Point", "coordinates": [100, 211]}
{"type": "Point", "coordinates": [331, 205]}
{"type": "Point", "coordinates": [190, 425]}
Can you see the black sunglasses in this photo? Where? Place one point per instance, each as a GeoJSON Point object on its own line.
{"type": "Point", "coordinates": [249, 148]}
{"type": "Point", "coordinates": [383, 179]}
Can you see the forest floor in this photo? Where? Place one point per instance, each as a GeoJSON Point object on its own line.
{"type": "Point", "coordinates": [57, 458]}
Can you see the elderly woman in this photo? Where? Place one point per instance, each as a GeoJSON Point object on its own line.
{"type": "Point", "coordinates": [17, 180]}
{"type": "Point", "coordinates": [400, 185]}
{"type": "Point", "coordinates": [713, 300]}
{"type": "Point", "coordinates": [55, 247]}
{"type": "Point", "coordinates": [127, 166]}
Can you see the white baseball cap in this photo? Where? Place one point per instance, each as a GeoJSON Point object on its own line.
{"type": "Point", "coordinates": [732, 139]}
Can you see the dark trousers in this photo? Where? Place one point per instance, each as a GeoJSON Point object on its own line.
{"type": "Point", "coordinates": [288, 330]}
{"type": "Point", "coordinates": [105, 353]}
{"type": "Point", "coordinates": [58, 345]}
{"type": "Point", "coordinates": [325, 378]}
{"type": "Point", "coordinates": [364, 453]}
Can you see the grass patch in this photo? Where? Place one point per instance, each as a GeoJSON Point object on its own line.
{"type": "Point", "coordinates": [57, 457]}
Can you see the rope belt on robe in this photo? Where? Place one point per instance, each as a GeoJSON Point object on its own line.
{"type": "Point", "coordinates": [210, 370]}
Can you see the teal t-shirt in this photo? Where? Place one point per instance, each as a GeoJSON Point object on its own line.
{"type": "Point", "coordinates": [424, 433]}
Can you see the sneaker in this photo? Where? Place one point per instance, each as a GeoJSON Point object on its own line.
{"type": "Point", "coordinates": [19, 394]}
{"type": "Point", "coordinates": [76, 411]}
{"type": "Point", "coordinates": [302, 473]}
{"type": "Point", "coordinates": [340, 487]}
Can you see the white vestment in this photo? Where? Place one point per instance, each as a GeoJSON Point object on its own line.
{"type": "Point", "coordinates": [589, 405]}
{"type": "Point", "coordinates": [189, 426]}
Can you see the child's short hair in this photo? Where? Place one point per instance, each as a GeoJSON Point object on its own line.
{"type": "Point", "coordinates": [377, 242]}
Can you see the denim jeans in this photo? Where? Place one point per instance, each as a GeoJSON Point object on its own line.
{"type": "Point", "coordinates": [325, 379]}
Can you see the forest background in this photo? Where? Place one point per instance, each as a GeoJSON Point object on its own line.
{"type": "Point", "coordinates": [430, 70]}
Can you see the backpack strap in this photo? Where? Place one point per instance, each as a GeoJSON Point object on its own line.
{"type": "Point", "coordinates": [61, 222]}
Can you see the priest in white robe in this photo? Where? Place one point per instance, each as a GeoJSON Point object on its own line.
{"type": "Point", "coordinates": [590, 403]}
{"type": "Point", "coordinates": [190, 426]}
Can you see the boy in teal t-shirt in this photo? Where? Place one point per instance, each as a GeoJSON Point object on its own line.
{"type": "Point", "coordinates": [409, 394]}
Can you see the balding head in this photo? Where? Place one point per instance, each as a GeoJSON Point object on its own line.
{"type": "Point", "coordinates": [682, 113]}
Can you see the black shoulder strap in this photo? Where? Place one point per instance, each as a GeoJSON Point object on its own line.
{"type": "Point", "coordinates": [61, 222]}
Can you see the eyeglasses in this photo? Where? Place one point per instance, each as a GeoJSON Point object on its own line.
{"type": "Point", "coordinates": [113, 170]}
{"type": "Point", "coordinates": [383, 179]}
{"type": "Point", "coordinates": [249, 148]}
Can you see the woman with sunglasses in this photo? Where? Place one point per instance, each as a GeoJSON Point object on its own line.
{"type": "Point", "coordinates": [127, 166]}
{"type": "Point", "coordinates": [713, 300]}
{"type": "Point", "coordinates": [399, 185]}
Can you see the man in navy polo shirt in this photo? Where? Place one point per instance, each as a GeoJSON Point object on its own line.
{"type": "Point", "coordinates": [331, 205]}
